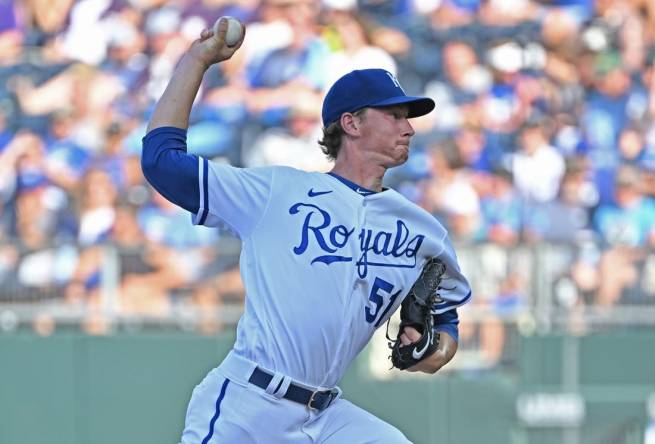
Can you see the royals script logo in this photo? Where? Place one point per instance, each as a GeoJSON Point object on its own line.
{"type": "Point", "coordinates": [396, 249]}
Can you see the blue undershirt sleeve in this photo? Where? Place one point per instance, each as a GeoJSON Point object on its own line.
{"type": "Point", "coordinates": [447, 322]}
{"type": "Point", "coordinates": [169, 168]}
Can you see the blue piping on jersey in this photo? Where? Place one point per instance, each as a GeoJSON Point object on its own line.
{"type": "Point", "coordinates": [448, 304]}
{"type": "Point", "coordinates": [352, 185]}
{"type": "Point", "coordinates": [450, 329]}
{"type": "Point", "coordinates": [447, 322]}
{"type": "Point", "coordinates": [205, 193]}
{"type": "Point", "coordinates": [217, 412]}
{"type": "Point", "coordinates": [447, 317]}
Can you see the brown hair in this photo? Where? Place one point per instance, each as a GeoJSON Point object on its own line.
{"type": "Point", "coordinates": [333, 134]}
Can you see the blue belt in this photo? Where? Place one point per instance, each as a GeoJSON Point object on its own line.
{"type": "Point", "coordinates": [318, 400]}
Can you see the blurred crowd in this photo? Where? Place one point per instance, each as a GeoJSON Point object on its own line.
{"type": "Point", "coordinates": [544, 132]}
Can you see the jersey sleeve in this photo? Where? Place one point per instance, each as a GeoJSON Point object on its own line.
{"type": "Point", "coordinates": [454, 289]}
{"type": "Point", "coordinates": [447, 322]}
{"type": "Point", "coordinates": [231, 197]}
{"type": "Point", "coordinates": [169, 168]}
{"type": "Point", "coordinates": [216, 194]}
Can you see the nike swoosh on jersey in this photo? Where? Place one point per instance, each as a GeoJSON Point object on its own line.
{"type": "Point", "coordinates": [312, 193]}
{"type": "Point", "coordinates": [418, 354]}
{"type": "Point", "coordinates": [360, 191]}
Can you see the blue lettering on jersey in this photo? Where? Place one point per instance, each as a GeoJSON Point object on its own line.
{"type": "Point", "coordinates": [377, 247]}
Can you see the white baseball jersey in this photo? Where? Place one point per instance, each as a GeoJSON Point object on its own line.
{"type": "Point", "coordinates": [323, 264]}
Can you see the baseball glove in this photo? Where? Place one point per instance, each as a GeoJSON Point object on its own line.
{"type": "Point", "coordinates": [415, 312]}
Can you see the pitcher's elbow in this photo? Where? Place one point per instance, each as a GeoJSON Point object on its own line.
{"type": "Point", "coordinates": [148, 164]}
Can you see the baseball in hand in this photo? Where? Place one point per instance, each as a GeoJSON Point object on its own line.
{"type": "Point", "coordinates": [234, 30]}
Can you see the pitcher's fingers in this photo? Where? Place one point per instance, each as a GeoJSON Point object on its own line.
{"type": "Point", "coordinates": [222, 28]}
{"type": "Point", "coordinates": [412, 333]}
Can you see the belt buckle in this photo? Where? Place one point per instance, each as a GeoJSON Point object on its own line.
{"type": "Point", "coordinates": [311, 400]}
{"type": "Point", "coordinates": [330, 394]}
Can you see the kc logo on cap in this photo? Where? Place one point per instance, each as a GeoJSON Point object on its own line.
{"type": "Point", "coordinates": [395, 80]}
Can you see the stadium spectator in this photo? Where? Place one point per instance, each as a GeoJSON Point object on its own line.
{"type": "Point", "coordinates": [544, 133]}
{"type": "Point", "coordinates": [630, 220]}
{"type": "Point", "coordinates": [565, 219]}
{"type": "Point", "coordinates": [605, 114]}
{"type": "Point", "coordinates": [98, 207]}
{"type": "Point", "coordinates": [42, 262]}
{"type": "Point", "coordinates": [502, 212]}
{"type": "Point", "coordinates": [450, 195]}
{"type": "Point", "coordinates": [294, 144]}
{"type": "Point", "coordinates": [354, 48]}
{"type": "Point", "coordinates": [289, 73]}
{"type": "Point", "coordinates": [66, 161]}
{"type": "Point", "coordinates": [45, 16]}
{"type": "Point", "coordinates": [537, 167]}
{"type": "Point", "coordinates": [461, 83]}
{"type": "Point", "coordinates": [625, 227]}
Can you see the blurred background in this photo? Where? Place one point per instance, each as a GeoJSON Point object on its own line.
{"type": "Point", "coordinates": [539, 159]}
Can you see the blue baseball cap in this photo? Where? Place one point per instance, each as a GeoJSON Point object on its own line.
{"type": "Point", "coordinates": [363, 88]}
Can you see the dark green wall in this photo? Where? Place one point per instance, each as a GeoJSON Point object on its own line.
{"type": "Point", "coordinates": [76, 389]}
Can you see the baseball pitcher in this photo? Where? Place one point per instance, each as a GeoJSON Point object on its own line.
{"type": "Point", "coordinates": [326, 260]}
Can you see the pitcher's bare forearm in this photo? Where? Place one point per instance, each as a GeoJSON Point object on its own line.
{"type": "Point", "coordinates": [174, 106]}
{"type": "Point", "coordinates": [164, 155]}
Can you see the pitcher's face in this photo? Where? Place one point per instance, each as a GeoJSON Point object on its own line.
{"type": "Point", "coordinates": [386, 132]}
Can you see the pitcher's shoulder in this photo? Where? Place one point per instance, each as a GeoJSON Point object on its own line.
{"type": "Point", "coordinates": [408, 204]}
{"type": "Point", "coordinates": [294, 175]}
